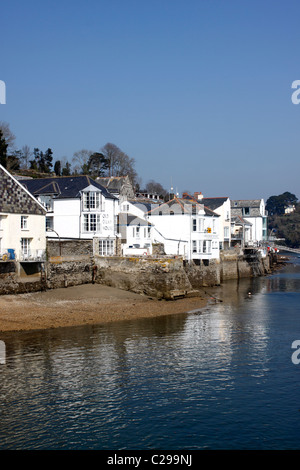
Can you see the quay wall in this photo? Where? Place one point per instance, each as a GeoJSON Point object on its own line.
{"type": "Point", "coordinates": [72, 262]}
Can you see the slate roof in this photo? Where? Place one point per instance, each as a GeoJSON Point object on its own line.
{"type": "Point", "coordinates": [245, 203]}
{"type": "Point", "coordinates": [238, 220]}
{"type": "Point", "coordinates": [131, 219]}
{"type": "Point", "coordinates": [214, 202]}
{"type": "Point", "coordinates": [183, 206]}
{"type": "Point", "coordinates": [63, 187]}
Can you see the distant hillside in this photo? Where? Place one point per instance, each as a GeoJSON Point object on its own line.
{"type": "Point", "coordinates": [287, 226]}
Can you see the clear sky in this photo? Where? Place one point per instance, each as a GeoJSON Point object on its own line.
{"type": "Point", "coordinates": [198, 92]}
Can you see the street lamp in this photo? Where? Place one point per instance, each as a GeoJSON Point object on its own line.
{"type": "Point", "coordinates": [48, 229]}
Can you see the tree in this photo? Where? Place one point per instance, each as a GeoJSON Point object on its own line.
{"type": "Point", "coordinates": [25, 156]}
{"type": "Point", "coordinates": [3, 149]}
{"type": "Point", "coordinates": [276, 205]}
{"type": "Point", "coordinates": [81, 160]}
{"type": "Point", "coordinates": [8, 136]}
{"type": "Point", "coordinates": [66, 171]}
{"type": "Point", "coordinates": [48, 158]}
{"type": "Point", "coordinates": [97, 164]}
{"type": "Point", "coordinates": [156, 188]}
{"type": "Point", "coordinates": [119, 163]}
{"type": "Point", "coordinates": [57, 168]}
{"type": "Point", "coordinates": [42, 161]}
{"type": "Point", "coordinates": [13, 161]}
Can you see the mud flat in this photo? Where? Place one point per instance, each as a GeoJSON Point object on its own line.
{"type": "Point", "coordinates": [84, 304]}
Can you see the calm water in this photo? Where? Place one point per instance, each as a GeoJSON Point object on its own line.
{"type": "Point", "coordinates": [222, 378]}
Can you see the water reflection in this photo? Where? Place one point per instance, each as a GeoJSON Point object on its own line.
{"type": "Point", "coordinates": [217, 378]}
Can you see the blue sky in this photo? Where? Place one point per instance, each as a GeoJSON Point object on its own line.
{"type": "Point", "coordinates": [198, 92]}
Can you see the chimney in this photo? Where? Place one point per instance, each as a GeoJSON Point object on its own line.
{"type": "Point", "coordinates": [198, 196]}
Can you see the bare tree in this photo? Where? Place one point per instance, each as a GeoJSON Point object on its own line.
{"type": "Point", "coordinates": [81, 160]}
{"type": "Point", "coordinates": [8, 136]}
{"type": "Point", "coordinates": [26, 154]}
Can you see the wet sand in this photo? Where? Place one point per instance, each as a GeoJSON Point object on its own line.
{"type": "Point", "coordinates": [84, 304]}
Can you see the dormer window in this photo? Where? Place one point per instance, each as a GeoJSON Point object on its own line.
{"type": "Point", "coordinates": [92, 200]}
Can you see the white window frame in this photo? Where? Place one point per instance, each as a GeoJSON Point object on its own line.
{"type": "Point", "coordinates": [92, 200]}
{"type": "Point", "coordinates": [106, 247]}
{"type": "Point", "coordinates": [91, 222]}
{"type": "Point", "coordinates": [24, 222]}
{"type": "Point", "coordinates": [25, 246]}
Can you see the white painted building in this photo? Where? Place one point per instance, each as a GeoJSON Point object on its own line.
{"type": "Point", "coordinates": [186, 228]}
{"type": "Point", "coordinates": [253, 211]}
{"type": "Point", "coordinates": [22, 222]}
{"type": "Point", "coordinates": [222, 207]}
{"type": "Point", "coordinates": [78, 208]}
{"type": "Point", "coordinates": [134, 228]}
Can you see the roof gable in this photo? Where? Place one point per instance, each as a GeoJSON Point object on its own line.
{"type": "Point", "coordinates": [16, 199]}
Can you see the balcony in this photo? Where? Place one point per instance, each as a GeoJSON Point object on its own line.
{"type": "Point", "coordinates": [33, 256]}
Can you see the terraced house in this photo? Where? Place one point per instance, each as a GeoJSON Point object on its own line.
{"type": "Point", "coordinates": [77, 208]}
{"type": "Point", "coordinates": [22, 227]}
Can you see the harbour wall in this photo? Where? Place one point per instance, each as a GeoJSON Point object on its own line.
{"type": "Point", "coordinates": [73, 262]}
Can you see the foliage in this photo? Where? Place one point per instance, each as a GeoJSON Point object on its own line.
{"type": "Point", "coordinates": [42, 160]}
{"type": "Point", "coordinates": [276, 205]}
{"type": "Point", "coordinates": [3, 150]}
{"type": "Point", "coordinates": [287, 226]}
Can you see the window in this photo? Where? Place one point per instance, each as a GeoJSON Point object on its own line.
{"type": "Point", "coordinates": [226, 232]}
{"type": "Point", "coordinates": [49, 223]}
{"type": "Point", "coordinates": [24, 222]}
{"type": "Point", "coordinates": [138, 232]}
{"type": "Point", "coordinates": [214, 225]}
{"type": "Point", "coordinates": [194, 246]}
{"type": "Point", "coordinates": [106, 247]}
{"type": "Point", "coordinates": [201, 225]}
{"type": "Point", "coordinates": [25, 246]}
{"type": "Point", "coordinates": [246, 210]}
{"type": "Point", "coordinates": [194, 225]}
{"type": "Point", "coordinates": [91, 222]}
{"type": "Point", "coordinates": [92, 200]}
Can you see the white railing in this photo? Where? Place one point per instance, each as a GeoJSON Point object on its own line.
{"type": "Point", "coordinates": [32, 255]}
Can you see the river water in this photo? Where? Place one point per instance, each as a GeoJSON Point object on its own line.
{"type": "Point", "coordinates": [220, 378]}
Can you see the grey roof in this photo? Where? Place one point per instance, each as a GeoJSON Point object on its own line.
{"type": "Point", "coordinates": [63, 186]}
{"type": "Point", "coordinates": [240, 221]}
{"type": "Point", "coordinates": [114, 184]}
{"type": "Point", "coordinates": [245, 203]}
{"type": "Point", "coordinates": [131, 219]}
{"type": "Point", "coordinates": [183, 206]}
{"type": "Point", "coordinates": [213, 202]}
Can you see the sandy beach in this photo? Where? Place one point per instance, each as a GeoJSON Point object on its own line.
{"type": "Point", "coordinates": [84, 304]}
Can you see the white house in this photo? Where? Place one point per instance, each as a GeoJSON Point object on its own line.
{"type": "Point", "coordinates": [78, 207]}
{"type": "Point", "coordinates": [186, 228]}
{"type": "Point", "coordinates": [22, 222]}
{"type": "Point", "coordinates": [253, 211]}
{"type": "Point", "coordinates": [134, 228]}
{"type": "Point", "coordinates": [222, 207]}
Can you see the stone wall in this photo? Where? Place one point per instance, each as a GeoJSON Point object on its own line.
{"type": "Point", "coordinates": [72, 263]}
{"type": "Point", "coordinates": [163, 278]}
